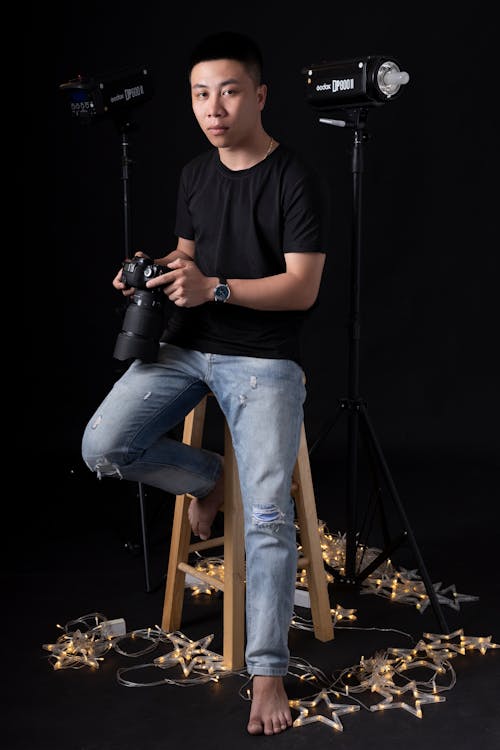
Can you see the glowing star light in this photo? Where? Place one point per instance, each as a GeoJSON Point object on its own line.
{"type": "Point", "coordinates": [336, 710]}
{"type": "Point", "coordinates": [420, 699]}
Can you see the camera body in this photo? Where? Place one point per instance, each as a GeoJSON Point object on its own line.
{"type": "Point", "coordinates": [143, 322]}
{"type": "Point", "coordinates": [139, 270]}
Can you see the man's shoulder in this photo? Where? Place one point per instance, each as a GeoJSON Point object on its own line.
{"type": "Point", "coordinates": [198, 163]}
{"type": "Point", "coordinates": [293, 160]}
{"type": "Point", "coordinates": [295, 168]}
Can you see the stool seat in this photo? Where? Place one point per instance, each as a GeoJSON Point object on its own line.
{"type": "Point", "coordinates": [232, 542]}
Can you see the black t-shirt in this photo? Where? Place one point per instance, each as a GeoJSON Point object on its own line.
{"type": "Point", "coordinates": [242, 223]}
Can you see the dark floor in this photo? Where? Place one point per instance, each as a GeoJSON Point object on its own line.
{"type": "Point", "coordinates": [75, 548]}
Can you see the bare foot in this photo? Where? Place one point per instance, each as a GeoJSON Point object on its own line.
{"type": "Point", "coordinates": [202, 511]}
{"type": "Point", "coordinates": [270, 712]}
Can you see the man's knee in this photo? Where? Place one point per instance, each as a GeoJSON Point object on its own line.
{"type": "Point", "coordinates": [99, 455]}
{"type": "Point", "coordinates": [102, 466]}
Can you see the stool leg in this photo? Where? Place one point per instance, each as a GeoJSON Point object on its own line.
{"type": "Point", "coordinates": [234, 562]}
{"type": "Point", "coordinates": [179, 552]}
{"type": "Point", "coordinates": [181, 530]}
{"type": "Point", "coordinates": [309, 536]}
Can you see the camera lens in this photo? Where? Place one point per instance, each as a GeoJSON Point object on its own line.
{"type": "Point", "coordinates": [143, 322]}
{"type": "Point", "coordinates": [142, 327]}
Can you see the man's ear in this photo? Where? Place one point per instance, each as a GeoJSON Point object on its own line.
{"type": "Point", "coordinates": [262, 95]}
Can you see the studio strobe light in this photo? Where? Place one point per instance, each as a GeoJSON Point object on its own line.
{"type": "Point", "coordinates": [116, 96]}
{"type": "Point", "coordinates": [361, 82]}
{"type": "Point", "coordinates": [352, 88]}
{"type": "Point", "coordinates": [110, 95]}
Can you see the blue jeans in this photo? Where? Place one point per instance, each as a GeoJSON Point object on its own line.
{"type": "Point", "coordinates": [262, 401]}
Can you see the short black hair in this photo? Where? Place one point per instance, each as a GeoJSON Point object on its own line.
{"type": "Point", "coordinates": [229, 45]}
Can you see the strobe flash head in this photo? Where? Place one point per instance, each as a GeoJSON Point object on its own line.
{"type": "Point", "coordinates": [361, 82]}
{"type": "Point", "coordinates": [113, 94]}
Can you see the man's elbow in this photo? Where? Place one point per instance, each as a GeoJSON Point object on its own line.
{"type": "Point", "coordinates": [307, 282]}
{"type": "Point", "coordinates": [306, 299]}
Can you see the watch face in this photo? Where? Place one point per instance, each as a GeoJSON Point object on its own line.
{"type": "Point", "coordinates": [221, 292]}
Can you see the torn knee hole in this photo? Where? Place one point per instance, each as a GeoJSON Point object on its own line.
{"type": "Point", "coordinates": [105, 468]}
{"type": "Point", "coordinates": [267, 515]}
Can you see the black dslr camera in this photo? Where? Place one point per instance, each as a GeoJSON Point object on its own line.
{"type": "Point", "coordinates": [143, 322]}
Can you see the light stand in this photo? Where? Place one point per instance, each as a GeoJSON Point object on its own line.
{"type": "Point", "coordinates": [92, 99]}
{"type": "Point", "coordinates": [125, 128]}
{"type": "Point", "coordinates": [359, 423]}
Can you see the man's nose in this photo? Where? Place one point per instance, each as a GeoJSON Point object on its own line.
{"type": "Point", "coordinates": [215, 107]}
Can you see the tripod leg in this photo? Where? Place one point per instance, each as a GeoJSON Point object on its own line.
{"type": "Point", "coordinates": [326, 429]}
{"type": "Point", "coordinates": [352, 493]}
{"type": "Point", "coordinates": [145, 546]}
{"type": "Point", "coordinates": [395, 496]}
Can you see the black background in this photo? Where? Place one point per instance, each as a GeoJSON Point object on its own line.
{"type": "Point", "coordinates": [429, 344]}
{"type": "Point", "coordinates": [429, 364]}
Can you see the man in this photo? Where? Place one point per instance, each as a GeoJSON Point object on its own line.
{"type": "Point", "coordinates": [246, 269]}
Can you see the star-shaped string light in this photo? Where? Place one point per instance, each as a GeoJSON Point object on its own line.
{"type": "Point", "coordinates": [383, 673]}
{"type": "Point", "coordinates": [335, 710]}
{"type": "Point", "coordinates": [433, 655]}
{"type": "Point", "coordinates": [404, 586]}
{"type": "Point", "coordinates": [481, 643]}
{"type": "Point", "coordinates": [212, 566]}
{"type": "Point", "coordinates": [338, 614]}
{"type": "Point", "coordinates": [420, 698]}
{"type": "Point", "coordinates": [469, 643]}
{"type": "Point", "coordinates": [399, 585]}
{"type": "Point", "coordinates": [191, 655]}
{"type": "Point", "coordinates": [75, 650]}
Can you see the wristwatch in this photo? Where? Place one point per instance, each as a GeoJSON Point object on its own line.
{"type": "Point", "coordinates": [222, 291]}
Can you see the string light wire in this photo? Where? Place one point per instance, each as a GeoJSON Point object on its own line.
{"type": "Point", "coordinates": [384, 675]}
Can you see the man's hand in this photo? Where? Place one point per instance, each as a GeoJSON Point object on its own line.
{"type": "Point", "coordinates": [127, 291]}
{"type": "Point", "coordinates": [184, 284]}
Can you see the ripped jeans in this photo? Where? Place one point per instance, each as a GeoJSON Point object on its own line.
{"type": "Point", "coordinates": [262, 401]}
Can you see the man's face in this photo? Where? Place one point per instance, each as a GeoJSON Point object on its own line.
{"type": "Point", "coordinates": [226, 101]}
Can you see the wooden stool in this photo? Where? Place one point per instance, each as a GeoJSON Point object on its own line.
{"type": "Point", "coordinates": [233, 585]}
